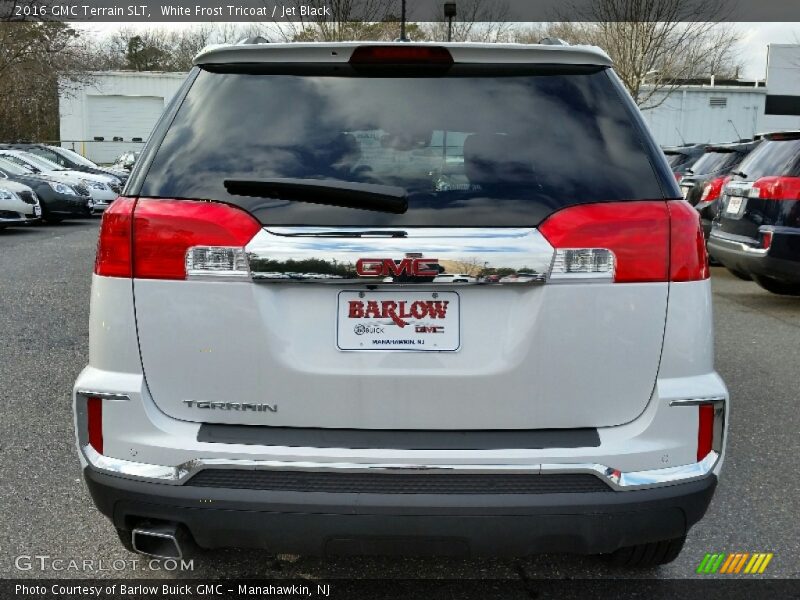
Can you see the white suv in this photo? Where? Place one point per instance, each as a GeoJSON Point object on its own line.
{"type": "Point", "coordinates": [273, 363]}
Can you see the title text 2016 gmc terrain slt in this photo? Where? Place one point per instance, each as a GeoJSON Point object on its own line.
{"type": "Point", "coordinates": [273, 365]}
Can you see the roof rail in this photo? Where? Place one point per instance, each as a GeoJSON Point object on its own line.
{"type": "Point", "coordinates": [553, 41]}
{"type": "Point", "coordinates": [256, 39]}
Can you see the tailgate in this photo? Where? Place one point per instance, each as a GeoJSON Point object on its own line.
{"type": "Point", "coordinates": [515, 352]}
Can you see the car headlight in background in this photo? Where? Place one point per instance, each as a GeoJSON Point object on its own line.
{"type": "Point", "coordinates": [8, 195]}
{"type": "Point", "coordinates": [95, 185]}
{"type": "Point", "coordinates": [62, 188]}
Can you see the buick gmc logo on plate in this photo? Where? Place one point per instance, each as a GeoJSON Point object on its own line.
{"type": "Point", "coordinates": [398, 320]}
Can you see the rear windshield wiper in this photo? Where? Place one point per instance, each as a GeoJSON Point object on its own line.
{"type": "Point", "coordinates": [331, 192]}
{"type": "Point", "coordinates": [741, 174]}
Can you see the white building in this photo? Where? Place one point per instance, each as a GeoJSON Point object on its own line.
{"type": "Point", "coordinates": [706, 113]}
{"type": "Point", "coordinates": [118, 109]}
{"type": "Point", "coordinates": [725, 113]}
{"type": "Point", "coordinates": [782, 109]}
{"type": "Point", "coordinates": [115, 112]}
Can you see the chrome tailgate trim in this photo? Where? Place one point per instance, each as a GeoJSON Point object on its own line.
{"type": "Point", "coordinates": [394, 256]}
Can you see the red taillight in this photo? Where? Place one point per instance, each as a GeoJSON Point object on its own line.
{"type": "Point", "coordinates": [636, 232]}
{"type": "Point", "coordinates": [651, 240]}
{"type": "Point", "coordinates": [766, 239]}
{"type": "Point", "coordinates": [401, 55]}
{"type": "Point", "coordinates": [787, 135]}
{"type": "Point", "coordinates": [776, 188]}
{"type": "Point", "coordinates": [94, 423]}
{"type": "Point", "coordinates": [114, 245]}
{"type": "Point", "coordinates": [713, 189]}
{"type": "Point", "coordinates": [705, 431]}
{"type": "Point", "coordinates": [688, 259]}
{"type": "Point", "coordinates": [163, 230]}
{"type": "Point", "coordinates": [149, 238]}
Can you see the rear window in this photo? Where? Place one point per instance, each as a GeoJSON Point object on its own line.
{"type": "Point", "coordinates": [12, 168]}
{"type": "Point", "coordinates": [711, 162]}
{"type": "Point", "coordinates": [470, 150]}
{"type": "Point", "coordinates": [675, 159]}
{"type": "Point", "coordinates": [772, 157]}
{"type": "Point", "coordinates": [47, 154]}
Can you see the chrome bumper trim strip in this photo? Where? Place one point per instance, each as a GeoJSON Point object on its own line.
{"type": "Point", "coordinates": [726, 243]}
{"type": "Point", "coordinates": [616, 480]}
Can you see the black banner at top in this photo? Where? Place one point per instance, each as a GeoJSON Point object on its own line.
{"type": "Point", "coordinates": [391, 10]}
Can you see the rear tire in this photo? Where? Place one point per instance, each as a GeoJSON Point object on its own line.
{"type": "Point", "coordinates": [647, 555]}
{"type": "Point", "coordinates": [779, 287]}
{"type": "Point", "coordinates": [740, 275]}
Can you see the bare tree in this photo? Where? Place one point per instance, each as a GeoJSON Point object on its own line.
{"type": "Point", "coordinates": [655, 44]}
{"type": "Point", "coordinates": [348, 20]}
{"type": "Point", "coordinates": [34, 57]}
{"type": "Point", "coordinates": [229, 33]}
{"type": "Point", "coordinates": [476, 21]}
{"type": "Point", "coordinates": [467, 266]}
{"type": "Point", "coordinates": [161, 49]}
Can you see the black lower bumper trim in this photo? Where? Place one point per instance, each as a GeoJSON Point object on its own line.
{"type": "Point", "coordinates": [781, 263]}
{"type": "Point", "coordinates": [321, 523]}
{"type": "Point", "coordinates": [401, 439]}
{"type": "Point", "coordinates": [398, 483]}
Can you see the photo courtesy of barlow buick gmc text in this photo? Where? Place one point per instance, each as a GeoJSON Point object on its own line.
{"type": "Point", "coordinates": [399, 299]}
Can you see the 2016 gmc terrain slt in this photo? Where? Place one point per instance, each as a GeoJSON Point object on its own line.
{"type": "Point", "coordinates": [278, 361]}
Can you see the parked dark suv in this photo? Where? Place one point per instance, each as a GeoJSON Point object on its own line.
{"type": "Point", "coordinates": [681, 158]}
{"type": "Point", "coordinates": [702, 185]}
{"type": "Point", "coordinates": [757, 231]}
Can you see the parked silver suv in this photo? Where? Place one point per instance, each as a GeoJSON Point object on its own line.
{"type": "Point", "coordinates": [277, 362]}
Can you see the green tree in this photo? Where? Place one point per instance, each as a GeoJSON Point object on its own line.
{"type": "Point", "coordinates": [144, 55]}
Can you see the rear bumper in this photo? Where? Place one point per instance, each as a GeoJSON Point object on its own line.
{"type": "Point", "coordinates": [321, 523]}
{"type": "Point", "coordinates": [20, 219]}
{"type": "Point", "coordinates": [781, 261]}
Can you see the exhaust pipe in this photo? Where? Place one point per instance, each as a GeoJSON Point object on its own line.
{"type": "Point", "coordinates": [162, 540]}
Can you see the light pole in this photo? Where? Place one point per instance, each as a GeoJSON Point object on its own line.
{"type": "Point", "coordinates": [403, 21]}
{"type": "Point", "coordinates": [449, 13]}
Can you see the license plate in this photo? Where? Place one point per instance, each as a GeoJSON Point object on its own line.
{"type": "Point", "coordinates": [37, 211]}
{"type": "Point", "coordinates": [398, 321]}
{"type": "Point", "coordinates": [734, 205]}
{"type": "Point", "coordinates": [686, 191]}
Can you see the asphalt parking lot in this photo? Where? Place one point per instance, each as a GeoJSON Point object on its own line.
{"type": "Point", "coordinates": [44, 307]}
